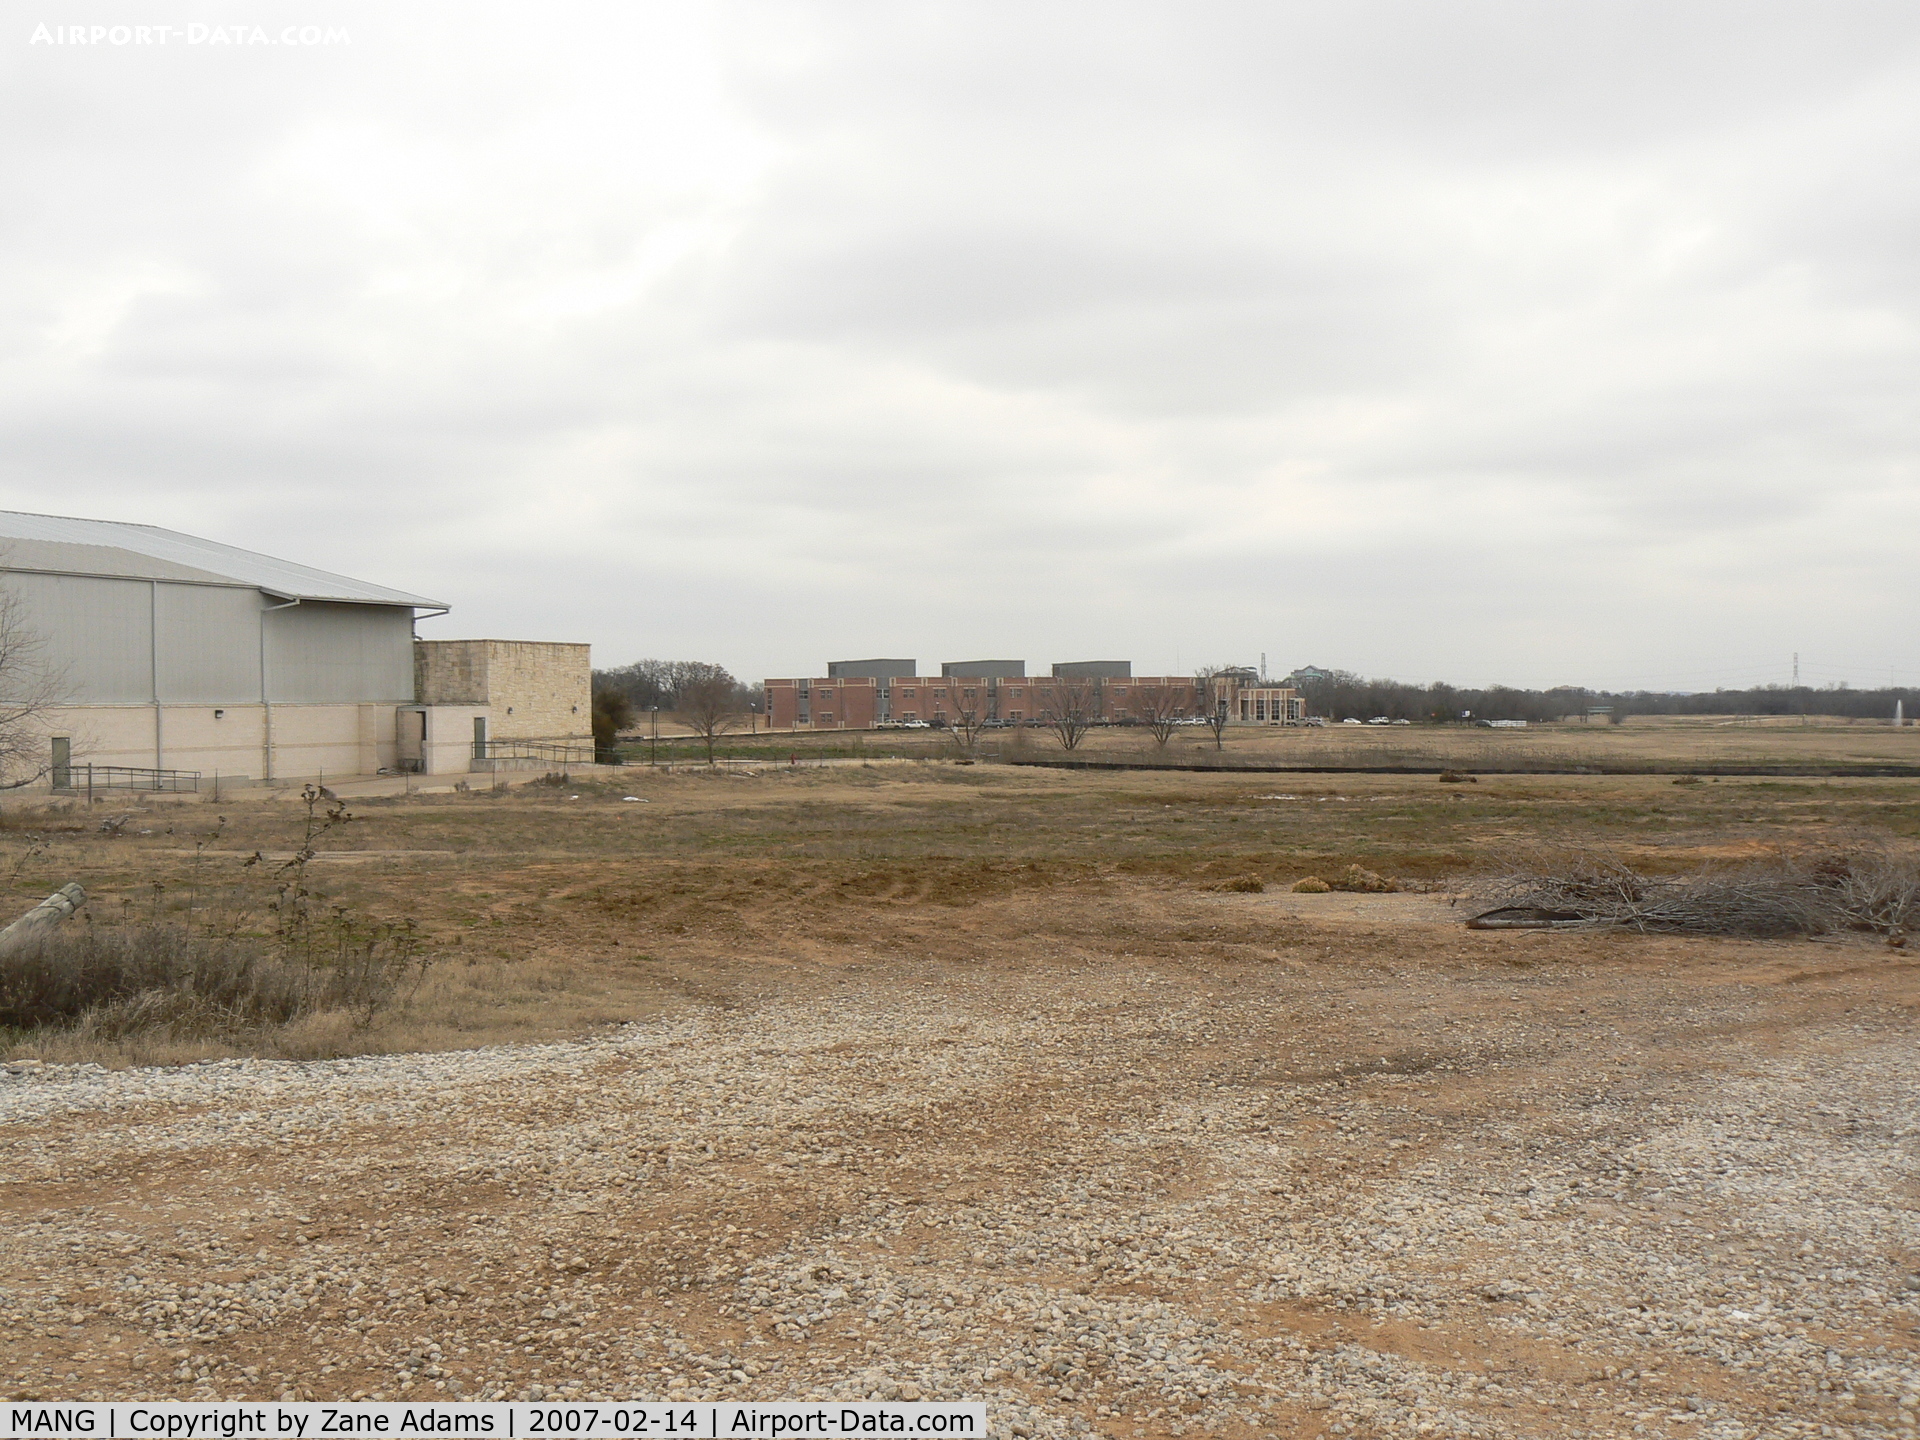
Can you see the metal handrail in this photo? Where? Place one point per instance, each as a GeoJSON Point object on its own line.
{"type": "Point", "coordinates": [124, 777]}
{"type": "Point", "coordinates": [553, 751]}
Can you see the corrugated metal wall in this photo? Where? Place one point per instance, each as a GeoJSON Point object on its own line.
{"type": "Point", "coordinates": [99, 633]}
{"type": "Point", "coordinates": [96, 634]}
{"type": "Point", "coordinates": [209, 645]}
{"type": "Point", "coordinates": [319, 652]}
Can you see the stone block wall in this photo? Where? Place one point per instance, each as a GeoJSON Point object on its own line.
{"type": "Point", "coordinates": [540, 690]}
{"type": "Point", "coordinates": [531, 689]}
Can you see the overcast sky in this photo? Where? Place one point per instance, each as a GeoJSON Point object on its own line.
{"type": "Point", "coordinates": [1526, 342]}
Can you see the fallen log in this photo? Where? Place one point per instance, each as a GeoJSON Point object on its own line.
{"type": "Point", "coordinates": [1528, 917]}
{"type": "Point", "coordinates": [42, 918]}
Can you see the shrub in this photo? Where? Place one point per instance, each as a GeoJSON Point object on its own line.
{"type": "Point", "coordinates": [613, 711]}
{"type": "Point", "coordinates": [1458, 777]}
{"type": "Point", "coordinates": [141, 978]}
{"type": "Point", "coordinates": [1243, 885]}
{"type": "Point", "coordinates": [147, 976]}
{"type": "Point", "coordinates": [1312, 885]}
{"type": "Point", "coordinates": [1361, 880]}
{"type": "Point", "coordinates": [215, 971]}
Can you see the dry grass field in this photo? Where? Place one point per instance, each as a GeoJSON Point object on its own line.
{"type": "Point", "coordinates": [1673, 745]}
{"type": "Point", "coordinates": [1641, 742]}
{"type": "Point", "coordinates": [912, 1078]}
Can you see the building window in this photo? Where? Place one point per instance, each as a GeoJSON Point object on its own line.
{"type": "Point", "coordinates": [939, 694]}
{"type": "Point", "coordinates": [826, 694]}
{"type": "Point", "coordinates": [826, 717]}
{"type": "Point", "coordinates": [909, 714]}
{"type": "Point", "coordinates": [1015, 693]}
{"type": "Point", "coordinates": [1015, 715]}
{"type": "Point", "coordinates": [969, 693]}
{"type": "Point", "coordinates": [1121, 690]}
{"type": "Point", "coordinates": [908, 692]}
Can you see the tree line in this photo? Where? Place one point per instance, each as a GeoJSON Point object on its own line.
{"type": "Point", "coordinates": [1342, 695]}
{"type": "Point", "coordinates": [702, 696]}
{"type": "Point", "coordinates": [662, 684]}
{"type": "Point", "coordinates": [709, 700]}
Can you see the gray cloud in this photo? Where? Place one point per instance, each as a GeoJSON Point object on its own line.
{"type": "Point", "coordinates": [1481, 341]}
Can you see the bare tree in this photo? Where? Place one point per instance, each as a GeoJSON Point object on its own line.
{"type": "Point", "coordinates": [1161, 708]}
{"type": "Point", "coordinates": [969, 716]}
{"type": "Point", "coordinates": [1068, 707]}
{"type": "Point", "coordinates": [656, 684]}
{"type": "Point", "coordinates": [31, 688]}
{"type": "Point", "coordinates": [1217, 697]}
{"type": "Point", "coordinates": [710, 705]}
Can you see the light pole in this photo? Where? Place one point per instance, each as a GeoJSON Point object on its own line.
{"type": "Point", "coordinates": [653, 740]}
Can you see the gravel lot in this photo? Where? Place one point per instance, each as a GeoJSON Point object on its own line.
{"type": "Point", "coordinates": [1386, 1179]}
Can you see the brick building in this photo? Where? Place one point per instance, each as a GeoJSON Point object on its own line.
{"type": "Point", "coordinates": [833, 702]}
{"type": "Point", "coordinates": [843, 701]}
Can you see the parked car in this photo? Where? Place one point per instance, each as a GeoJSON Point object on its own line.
{"type": "Point", "coordinates": [1351, 721]}
{"type": "Point", "coordinates": [1379, 720]}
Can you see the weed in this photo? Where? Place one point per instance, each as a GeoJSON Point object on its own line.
{"type": "Point", "coordinates": [216, 968]}
{"type": "Point", "coordinates": [146, 977]}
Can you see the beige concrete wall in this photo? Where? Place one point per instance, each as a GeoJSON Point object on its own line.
{"type": "Point", "coordinates": [448, 747]}
{"type": "Point", "coordinates": [531, 689]}
{"type": "Point", "coordinates": [450, 738]}
{"type": "Point", "coordinates": [124, 735]}
{"type": "Point", "coordinates": [318, 740]}
{"type": "Point", "coordinates": [193, 739]}
{"type": "Point", "coordinates": [308, 740]}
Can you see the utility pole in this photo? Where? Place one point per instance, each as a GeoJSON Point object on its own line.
{"type": "Point", "coordinates": [653, 740]}
{"type": "Point", "coordinates": [1796, 669]}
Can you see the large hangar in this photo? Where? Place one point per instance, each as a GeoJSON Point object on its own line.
{"type": "Point", "coordinates": [172, 652]}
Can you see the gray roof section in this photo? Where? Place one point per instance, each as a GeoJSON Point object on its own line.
{"type": "Point", "coordinates": [146, 552]}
